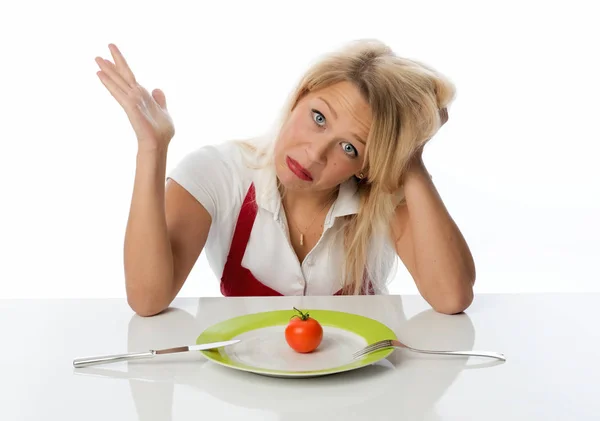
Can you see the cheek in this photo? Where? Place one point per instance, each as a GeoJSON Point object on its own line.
{"type": "Point", "coordinates": [293, 133]}
{"type": "Point", "coordinates": [297, 129]}
{"type": "Point", "coordinates": [341, 168]}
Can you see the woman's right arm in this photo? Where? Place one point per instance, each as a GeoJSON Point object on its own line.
{"type": "Point", "coordinates": [166, 232]}
{"type": "Point", "coordinates": [167, 227]}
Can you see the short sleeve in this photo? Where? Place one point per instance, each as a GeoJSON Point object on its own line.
{"type": "Point", "coordinates": [208, 175]}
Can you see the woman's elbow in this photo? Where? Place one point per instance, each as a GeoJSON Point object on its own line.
{"type": "Point", "coordinates": [455, 303]}
{"type": "Point", "coordinates": [146, 306]}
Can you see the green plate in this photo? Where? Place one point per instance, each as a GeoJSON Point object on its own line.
{"type": "Point", "coordinates": [263, 349]}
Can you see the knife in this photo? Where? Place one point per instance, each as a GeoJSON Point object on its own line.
{"type": "Point", "coordinates": [105, 359]}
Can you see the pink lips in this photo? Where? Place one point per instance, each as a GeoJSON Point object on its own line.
{"type": "Point", "coordinates": [298, 169]}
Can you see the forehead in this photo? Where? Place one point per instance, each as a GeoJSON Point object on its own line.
{"type": "Point", "coordinates": [346, 106]}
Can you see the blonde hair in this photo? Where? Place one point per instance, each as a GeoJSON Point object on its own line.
{"type": "Point", "coordinates": [405, 97]}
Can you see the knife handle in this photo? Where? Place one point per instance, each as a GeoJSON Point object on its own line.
{"type": "Point", "coordinates": [105, 359]}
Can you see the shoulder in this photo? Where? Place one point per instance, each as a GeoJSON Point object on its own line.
{"type": "Point", "coordinates": [214, 174]}
{"type": "Point", "coordinates": [222, 157]}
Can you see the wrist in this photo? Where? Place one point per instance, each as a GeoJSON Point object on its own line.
{"type": "Point", "coordinates": [152, 152]}
{"type": "Point", "coordinates": [152, 162]}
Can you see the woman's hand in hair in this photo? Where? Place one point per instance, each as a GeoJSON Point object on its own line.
{"type": "Point", "coordinates": [443, 116]}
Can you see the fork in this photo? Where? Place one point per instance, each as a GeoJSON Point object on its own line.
{"type": "Point", "coordinates": [391, 343]}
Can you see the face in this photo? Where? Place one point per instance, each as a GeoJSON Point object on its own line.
{"type": "Point", "coordinates": [322, 143]}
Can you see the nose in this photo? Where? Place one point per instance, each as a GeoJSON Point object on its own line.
{"type": "Point", "coordinates": [316, 150]}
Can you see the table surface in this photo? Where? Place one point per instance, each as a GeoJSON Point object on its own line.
{"type": "Point", "coordinates": [551, 342]}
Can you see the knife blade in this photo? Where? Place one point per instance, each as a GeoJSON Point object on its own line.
{"type": "Point", "coordinates": [106, 359]}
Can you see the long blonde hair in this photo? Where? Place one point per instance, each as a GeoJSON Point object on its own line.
{"type": "Point", "coordinates": [405, 97]}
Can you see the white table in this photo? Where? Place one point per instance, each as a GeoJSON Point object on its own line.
{"type": "Point", "coordinates": [552, 344]}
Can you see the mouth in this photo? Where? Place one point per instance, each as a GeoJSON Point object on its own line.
{"type": "Point", "coordinates": [300, 172]}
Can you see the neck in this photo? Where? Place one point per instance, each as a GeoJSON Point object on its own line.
{"type": "Point", "coordinates": [310, 200]}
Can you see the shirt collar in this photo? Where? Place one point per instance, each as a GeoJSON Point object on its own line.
{"type": "Point", "coordinates": [267, 193]}
{"type": "Point", "coordinates": [348, 200]}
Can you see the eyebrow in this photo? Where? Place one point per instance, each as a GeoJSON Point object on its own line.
{"type": "Point", "coordinates": [357, 137]}
{"type": "Point", "coordinates": [330, 108]}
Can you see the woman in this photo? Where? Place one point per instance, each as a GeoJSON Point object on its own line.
{"type": "Point", "coordinates": [325, 205]}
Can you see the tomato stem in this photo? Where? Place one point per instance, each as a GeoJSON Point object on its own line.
{"type": "Point", "coordinates": [303, 316]}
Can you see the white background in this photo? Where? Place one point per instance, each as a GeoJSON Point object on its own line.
{"type": "Point", "coordinates": [515, 164]}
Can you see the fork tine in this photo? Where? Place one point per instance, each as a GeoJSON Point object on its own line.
{"type": "Point", "coordinates": [369, 350]}
{"type": "Point", "coordinates": [372, 348]}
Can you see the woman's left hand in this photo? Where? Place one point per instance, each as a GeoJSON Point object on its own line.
{"type": "Point", "coordinates": [418, 155]}
{"type": "Point", "coordinates": [443, 116]}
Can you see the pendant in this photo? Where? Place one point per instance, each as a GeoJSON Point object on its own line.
{"type": "Point", "coordinates": [301, 239]}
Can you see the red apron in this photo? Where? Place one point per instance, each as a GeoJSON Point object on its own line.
{"type": "Point", "coordinates": [237, 281]}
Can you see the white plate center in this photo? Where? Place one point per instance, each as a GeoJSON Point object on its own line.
{"type": "Point", "coordinates": [266, 348]}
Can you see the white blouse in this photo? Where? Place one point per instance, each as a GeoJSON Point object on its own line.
{"type": "Point", "coordinates": [219, 176]}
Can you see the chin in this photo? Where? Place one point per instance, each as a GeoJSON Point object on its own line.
{"type": "Point", "coordinates": [289, 180]}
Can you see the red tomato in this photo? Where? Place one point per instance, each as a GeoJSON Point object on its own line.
{"type": "Point", "coordinates": [303, 333]}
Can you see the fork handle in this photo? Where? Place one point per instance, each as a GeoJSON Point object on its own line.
{"type": "Point", "coordinates": [487, 354]}
{"type": "Point", "coordinates": [86, 361]}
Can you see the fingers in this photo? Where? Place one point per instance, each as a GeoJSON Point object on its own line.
{"type": "Point", "coordinates": [443, 116]}
{"type": "Point", "coordinates": [121, 65]}
{"type": "Point", "coordinates": [120, 81]}
{"type": "Point", "coordinates": [113, 88]}
{"type": "Point", "coordinates": [159, 97]}
{"type": "Point", "coordinates": [109, 69]}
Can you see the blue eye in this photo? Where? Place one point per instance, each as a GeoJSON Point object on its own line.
{"type": "Point", "coordinates": [318, 118]}
{"type": "Point", "coordinates": [349, 149]}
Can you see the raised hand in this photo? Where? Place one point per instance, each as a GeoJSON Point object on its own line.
{"type": "Point", "coordinates": [147, 112]}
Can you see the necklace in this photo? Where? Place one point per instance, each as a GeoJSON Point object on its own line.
{"type": "Point", "coordinates": [313, 220]}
